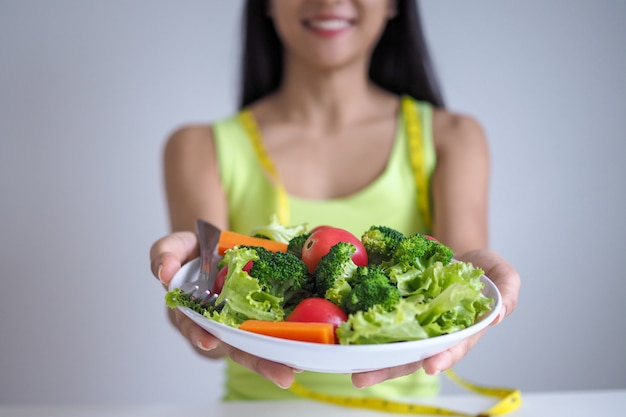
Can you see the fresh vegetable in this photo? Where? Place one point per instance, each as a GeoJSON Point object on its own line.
{"type": "Point", "coordinates": [378, 325]}
{"type": "Point", "coordinates": [451, 297]}
{"type": "Point", "coordinates": [229, 240]}
{"type": "Point", "coordinates": [278, 232]}
{"type": "Point", "coordinates": [403, 288]}
{"type": "Point", "coordinates": [317, 310]}
{"type": "Point", "coordinates": [177, 298]}
{"type": "Point", "coordinates": [221, 276]}
{"type": "Point", "coordinates": [321, 240]}
{"type": "Point", "coordinates": [247, 298]}
{"type": "Point", "coordinates": [334, 271]}
{"type": "Point", "coordinates": [412, 255]}
{"type": "Point", "coordinates": [296, 243]}
{"type": "Point", "coordinates": [258, 284]}
{"type": "Point", "coordinates": [448, 298]}
{"type": "Point", "coordinates": [283, 275]}
{"type": "Point", "coordinates": [304, 332]}
{"type": "Point", "coordinates": [321, 226]}
{"type": "Point", "coordinates": [380, 243]}
{"type": "Point", "coordinates": [370, 287]}
{"type": "Point", "coordinates": [294, 246]}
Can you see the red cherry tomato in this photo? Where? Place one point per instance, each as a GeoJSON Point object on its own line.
{"type": "Point", "coordinates": [320, 242]}
{"type": "Point", "coordinates": [317, 310]}
{"type": "Point", "coordinates": [316, 228]}
{"type": "Point", "coordinates": [221, 277]}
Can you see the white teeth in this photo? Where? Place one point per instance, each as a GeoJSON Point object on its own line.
{"type": "Point", "coordinates": [334, 24]}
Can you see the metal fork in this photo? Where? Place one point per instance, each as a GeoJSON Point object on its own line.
{"type": "Point", "coordinates": [200, 288]}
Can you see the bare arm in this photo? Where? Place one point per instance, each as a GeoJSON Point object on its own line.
{"type": "Point", "coordinates": [460, 194]}
{"type": "Point", "coordinates": [194, 191]}
{"type": "Point", "coordinates": [192, 180]}
{"type": "Point", "coordinates": [460, 183]}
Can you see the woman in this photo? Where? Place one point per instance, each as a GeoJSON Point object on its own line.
{"type": "Point", "coordinates": [339, 99]}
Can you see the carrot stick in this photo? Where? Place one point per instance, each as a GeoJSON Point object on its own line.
{"type": "Point", "coordinates": [230, 239]}
{"type": "Point", "coordinates": [304, 332]}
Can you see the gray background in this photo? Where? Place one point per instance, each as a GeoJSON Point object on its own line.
{"type": "Point", "coordinates": [89, 90]}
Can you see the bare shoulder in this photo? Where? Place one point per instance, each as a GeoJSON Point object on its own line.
{"type": "Point", "coordinates": [460, 182]}
{"type": "Point", "coordinates": [189, 159]}
{"type": "Point", "coordinates": [192, 181]}
{"type": "Point", "coordinates": [189, 149]}
{"type": "Point", "coordinates": [458, 132]}
{"type": "Point", "coordinates": [189, 139]}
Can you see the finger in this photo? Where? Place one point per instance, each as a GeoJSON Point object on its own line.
{"type": "Point", "coordinates": [281, 375]}
{"type": "Point", "coordinates": [446, 359]}
{"type": "Point", "coordinates": [170, 252]}
{"type": "Point", "coordinates": [502, 274]}
{"type": "Point", "coordinates": [198, 337]}
{"type": "Point", "coordinates": [508, 282]}
{"type": "Point", "coordinates": [367, 379]}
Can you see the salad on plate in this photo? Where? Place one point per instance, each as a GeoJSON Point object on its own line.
{"type": "Point", "coordinates": [329, 286]}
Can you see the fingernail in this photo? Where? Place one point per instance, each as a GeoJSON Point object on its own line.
{"type": "Point", "coordinates": [501, 315]}
{"type": "Point", "coordinates": [297, 371]}
{"type": "Point", "coordinates": [201, 346]}
{"type": "Point", "coordinates": [279, 385]}
{"type": "Point", "coordinates": [159, 274]}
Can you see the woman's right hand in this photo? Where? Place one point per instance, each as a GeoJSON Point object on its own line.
{"type": "Point", "coordinates": [167, 255]}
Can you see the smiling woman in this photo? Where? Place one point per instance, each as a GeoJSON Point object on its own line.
{"type": "Point", "coordinates": [341, 123]}
{"type": "Point", "coordinates": [89, 89]}
{"type": "Point", "coordinates": [325, 38]}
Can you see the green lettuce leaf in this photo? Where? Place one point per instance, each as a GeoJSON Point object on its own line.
{"type": "Point", "coordinates": [278, 232]}
{"type": "Point", "coordinates": [377, 325]}
{"type": "Point", "coordinates": [246, 298]}
{"type": "Point", "coordinates": [442, 299]}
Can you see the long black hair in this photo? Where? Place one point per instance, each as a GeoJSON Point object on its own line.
{"type": "Point", "coordinates": [400, 62]}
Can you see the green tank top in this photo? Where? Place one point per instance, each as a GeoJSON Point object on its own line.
{"type": "Point", "coordinates": [389, 200]}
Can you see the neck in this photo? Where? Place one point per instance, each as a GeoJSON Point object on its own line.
{"type": "Point", "coordinates": [330, 98]}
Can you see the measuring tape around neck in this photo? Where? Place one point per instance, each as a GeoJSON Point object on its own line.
{"type": "Point", "coordinates": [509, 400]}
{"type": "Point", "coordinates": [282, 202]}
{"type": "Point", "coordinates": [415, 151]}
{"type": "Point", "coordinates": [416, 156]}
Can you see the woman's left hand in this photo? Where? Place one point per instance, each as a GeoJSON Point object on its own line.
{"type": "Point", "coordinates": [508, 281]}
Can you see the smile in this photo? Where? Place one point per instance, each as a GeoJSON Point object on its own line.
{"type": "Point", "coordinates": [329, 24]}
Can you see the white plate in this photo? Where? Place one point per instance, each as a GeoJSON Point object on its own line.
{"type": "Point", "coordinates": [333, 358]}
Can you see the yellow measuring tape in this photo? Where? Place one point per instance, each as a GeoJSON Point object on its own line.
{"type": "Point", "coordinates": [282, 203]}
{"type": "Point", "coordinates": [416, 156]}
{"type": "Point", "coordinates": [510, 399]}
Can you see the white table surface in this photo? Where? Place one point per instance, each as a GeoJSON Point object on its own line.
{"type": "Point", "coordinates": [549, 404]}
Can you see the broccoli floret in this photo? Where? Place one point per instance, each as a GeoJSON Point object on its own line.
{"type": "Point", "coordinates": [380, 242]}
{"type": "Point", "coordinates": [296, 243]}
{"type": "Point", "coordinates": [413, 254]}
{"type": "Point", "coordinates": [282, 275]}
{"type": "Point", "coordinates": [334, 271]}
{"type": "Point", "coordinates": [370, 287]}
